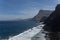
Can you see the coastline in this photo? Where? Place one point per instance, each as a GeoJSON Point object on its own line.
{"type": "Point", "coordinates": [29, 34]}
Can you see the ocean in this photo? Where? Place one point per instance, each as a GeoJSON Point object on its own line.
{"type": "Point", "coordinates": [12, 28]}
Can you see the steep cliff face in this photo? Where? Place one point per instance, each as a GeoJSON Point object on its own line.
{"type": "Point", "coordinates": [42, 14]}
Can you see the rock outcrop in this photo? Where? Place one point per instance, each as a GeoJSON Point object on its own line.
{"type": "Point", "coordinates": [52, 26]}
{"type": "Point", "coordinates": [53, 21]}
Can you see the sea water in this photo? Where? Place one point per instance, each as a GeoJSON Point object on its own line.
{"type": "Point", "coordinates": [12, 28]}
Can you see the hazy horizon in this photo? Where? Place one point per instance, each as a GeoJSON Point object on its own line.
{"type": "Point", "coordinates": [23, 9]}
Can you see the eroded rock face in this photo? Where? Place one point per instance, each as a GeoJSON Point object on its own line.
{"type": "Point", "coordinates": [53, 21]}
{"type": "Point", "coordinates": [53, 25]}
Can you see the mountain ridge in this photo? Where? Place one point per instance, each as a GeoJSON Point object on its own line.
{"type": "Point", "coordinates": [42, 14]}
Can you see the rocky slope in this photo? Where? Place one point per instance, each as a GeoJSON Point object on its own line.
{"type": "Point", "coordinates": [42, 14]}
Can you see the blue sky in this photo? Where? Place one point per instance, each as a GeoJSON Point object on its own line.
{"type": "Point", "coordinates": [21, 9]}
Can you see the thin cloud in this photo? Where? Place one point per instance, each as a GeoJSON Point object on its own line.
{"type": "Point", "coordinates": [12, 9]}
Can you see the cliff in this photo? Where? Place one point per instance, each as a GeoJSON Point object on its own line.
{"type": "Point", "coordinates": [42, 14]}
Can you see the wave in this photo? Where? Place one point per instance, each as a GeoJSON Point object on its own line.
{"type": "Point", "coordinates": [27, 35]}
